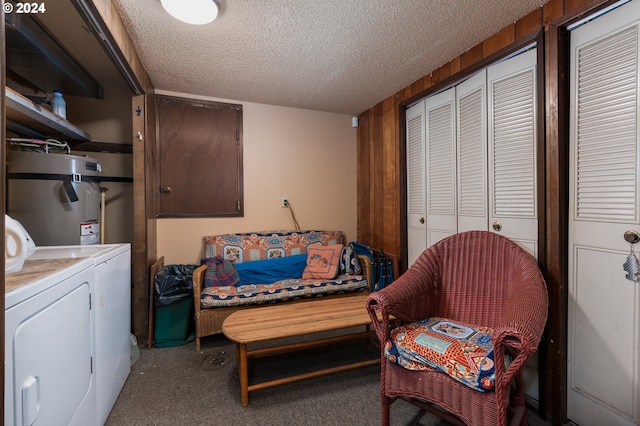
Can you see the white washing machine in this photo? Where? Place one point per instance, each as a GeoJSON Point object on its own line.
{"type": "Point", "coordinates": [68, 308]}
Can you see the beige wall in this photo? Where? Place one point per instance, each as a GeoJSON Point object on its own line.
{"type": "Point", "coordinates": [307, 156]}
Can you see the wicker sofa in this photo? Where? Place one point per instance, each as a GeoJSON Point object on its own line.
{"type": "Point", "coordinates": [214, 304]}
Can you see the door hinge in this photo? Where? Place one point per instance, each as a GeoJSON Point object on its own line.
{"type": "Point", "coordinates": [238, 204]}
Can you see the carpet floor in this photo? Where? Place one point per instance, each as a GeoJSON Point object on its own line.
{"type": "Point", "coordinates": [179, 386]}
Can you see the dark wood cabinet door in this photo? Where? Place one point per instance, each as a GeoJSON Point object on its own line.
{"type": "Point", "coordinates": [200, 151]}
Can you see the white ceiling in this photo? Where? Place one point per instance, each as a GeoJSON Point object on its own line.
{"type": "Point", "coordinates": [340, 56]}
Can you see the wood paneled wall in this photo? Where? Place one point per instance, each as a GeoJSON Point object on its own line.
{"type": "Point", "coordinates": [381, 168]}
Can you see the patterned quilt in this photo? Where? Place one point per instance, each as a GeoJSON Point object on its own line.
{"type": "Point", "coordinates": [280, 291]}
{"type": "Point", "coordinates": [266, 245]}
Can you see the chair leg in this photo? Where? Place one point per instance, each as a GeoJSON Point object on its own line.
{"type": "Point", "coordinates": [520, 401]}
{"type": "Point", "coordinates": [386, 405]}
{"type": "Point", "coordinates": [517, 402]}
{"type": "Point", "coordinates": [197, 344]}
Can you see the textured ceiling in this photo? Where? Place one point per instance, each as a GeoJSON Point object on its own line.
{"type": "Point", "coordinates": [341, 56]}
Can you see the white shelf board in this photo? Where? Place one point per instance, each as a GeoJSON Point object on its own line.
{"type": "Point", "coordinates": [21, 110]}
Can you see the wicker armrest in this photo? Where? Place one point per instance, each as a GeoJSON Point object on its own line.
{"type": "Point", "coordinates": [365, 264]}
{"type": "Point", "coordinates": [408, 298]}
{"type": "Point", "coordinates": [522, 324]}
{"type": "Point", "coordinates": [198, 283]}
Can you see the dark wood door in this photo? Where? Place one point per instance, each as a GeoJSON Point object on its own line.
{"type": "Point", "coordinates": [200, 158]}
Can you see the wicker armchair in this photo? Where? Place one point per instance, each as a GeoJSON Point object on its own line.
{"type": "Point", "coordinates": [475, 277]}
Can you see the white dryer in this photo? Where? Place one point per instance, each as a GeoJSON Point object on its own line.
{"type": "Point", "coordinates": [48, 345]}
{"type": "Point", "coordinates": [68, 307]}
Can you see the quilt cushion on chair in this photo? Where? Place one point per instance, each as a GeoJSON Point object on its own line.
{"type": "Point", "coordinates": [322, 261]}
{"type": "Point", "coordinates": [463, 351]}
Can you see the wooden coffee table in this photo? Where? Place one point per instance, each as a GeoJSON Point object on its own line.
{"type": "Point", "coordinates": [268, 323]}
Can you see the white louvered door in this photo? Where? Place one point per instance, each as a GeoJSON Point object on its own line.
{"type": "Point", "coordinates": [416, 204]}
{"type": "Point", "coordinates": [471, 103]}
{"type": "Point", "coordinates": [513, 209]}
{"type": "Point", "coordinates": [603, 326]}
{"type": "Point", "coordinates": [440, 126]}
{"type": "Point", "coordinates": [441, 166]}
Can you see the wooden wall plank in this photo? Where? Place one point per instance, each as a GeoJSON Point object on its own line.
{"type": "Point", "coordinates": [377, 169]}
{"type": "Point", "coordinates": [390, 182]}
{"type": "Point", "coordinates": [499, 40]}
{"type": "Point", "coordinates": [571, 5]}
{"type": "Point", "coordinates": [552, 10]}
{"type": "Point", "coordinates": [455, 65]}
{"type": "Point", "coordinates": [441, 73]}
{"type": "Point", "coordinates": [471, 56]}
{"type": "Point", "coordinates": [417, 87]}
{"type": "Point", "coordinates": [364, 182]}
{"type": "Point", "coordinates": [529, 24]}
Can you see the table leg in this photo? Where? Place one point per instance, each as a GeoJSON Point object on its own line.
{"type": "Point", "coordinates": [241, 352]}
{"type": "Point", "coordinates": [238, 358]}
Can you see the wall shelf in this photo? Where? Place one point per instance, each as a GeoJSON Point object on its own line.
{"type": "Point", "coordinates": [27, 118]}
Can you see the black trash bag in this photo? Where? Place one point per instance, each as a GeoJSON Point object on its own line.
{"type": "Point", "coordinates": [173, 283]}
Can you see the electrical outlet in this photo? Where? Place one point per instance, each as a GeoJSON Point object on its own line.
{"type": "Point", "coordinates": [285, 202]}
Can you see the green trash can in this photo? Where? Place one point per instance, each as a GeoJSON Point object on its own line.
{"type": "Point", "coordinates": [173, 316]}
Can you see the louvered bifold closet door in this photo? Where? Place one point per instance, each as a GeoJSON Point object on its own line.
{"type": "Point", "coordinates": [512, 150]}
{"type": "Point", "coordinates": [416, 204]}
{"type": "Point", "coordinates": [472, 153]}
{"type": "Point", "coordinates": [440, 128]}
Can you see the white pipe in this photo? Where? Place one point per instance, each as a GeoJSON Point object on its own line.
{"type": "Point", "coordinates": [103, 202]}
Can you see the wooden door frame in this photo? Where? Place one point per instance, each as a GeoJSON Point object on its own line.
{"type": "Point", "coordinates": [103, 19]}
{"type": "Point", "coordinates": [557, 67]}
{"type": "Point", "coordinates": [3, 153]}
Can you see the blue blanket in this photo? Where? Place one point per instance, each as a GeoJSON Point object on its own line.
{"type": "Point", "coordinates": [272, 270]}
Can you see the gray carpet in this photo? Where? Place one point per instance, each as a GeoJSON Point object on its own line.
{"type": "Point", "coordinates": [179, 386]}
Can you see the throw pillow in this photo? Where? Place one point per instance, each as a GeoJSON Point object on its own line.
{"type": "Point", "coordinates": [463, 351]}
{"type": "Point", "coordinates": [322, 261]}
{"type": "Point", "coordinates": [349, 262]}
{"type": "Point", "coordinates": [220, 272]}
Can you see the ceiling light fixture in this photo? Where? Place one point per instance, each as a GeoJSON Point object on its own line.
{"type": "Point", "coordinates": [196, 12]}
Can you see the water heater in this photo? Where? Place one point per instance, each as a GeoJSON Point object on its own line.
{"type": "Point", "coordinates": [56, 197]}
